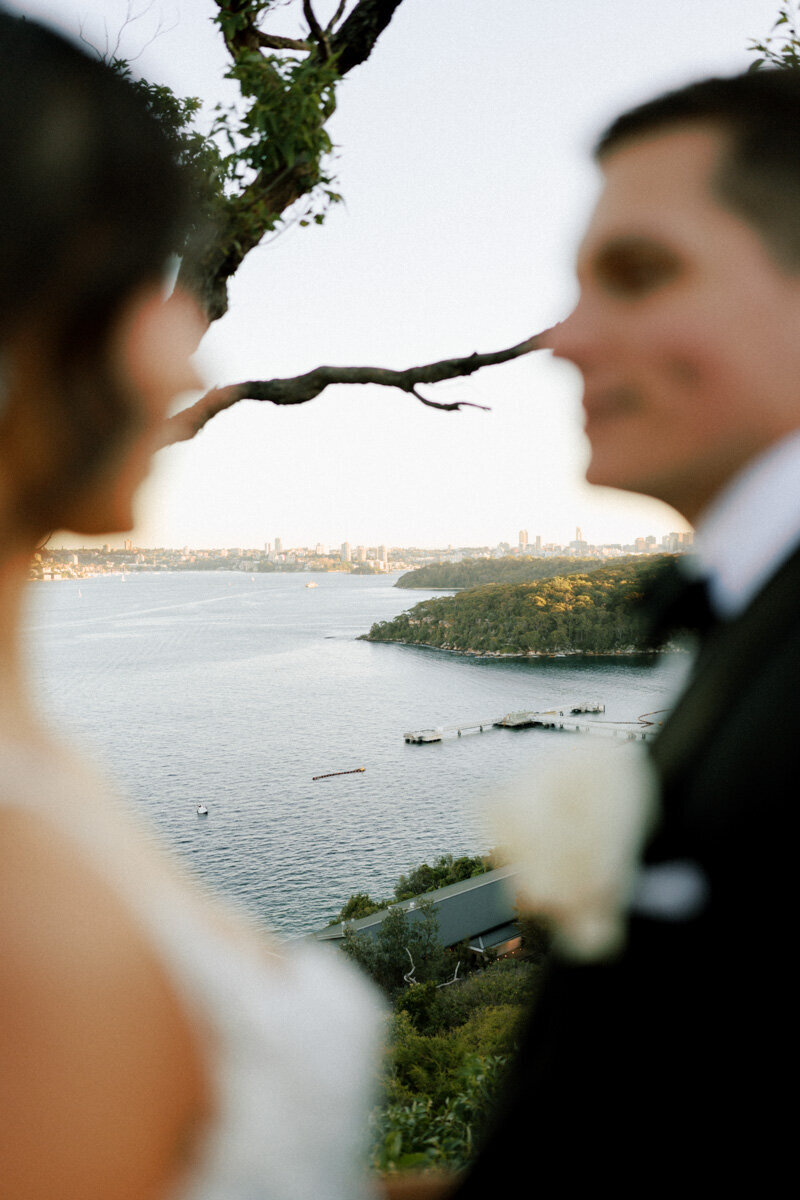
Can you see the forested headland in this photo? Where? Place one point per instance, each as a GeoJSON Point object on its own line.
{"type": "Point", "coordinates": [583, 612]}
{"type": "Point", "coordinates": [471, 572]}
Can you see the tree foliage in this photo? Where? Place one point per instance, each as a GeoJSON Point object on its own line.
{"type": "Point", "coordinates": [471, 572]}
{"type": "Point", "coordinates": [420, 1134]}
{"type": "Point", "coordinates": [421, 879]}
{"type": "Point", "coordinates": [404, 947]}
{"type": "Point", "coordinates": [274, 142]}
{"type": "Point", "coordinates": [446, 1064]}
{"type": "Point", "coordinates": [357, 906]}
{"type": "Point", "coordinates": [197, 152]}
{"type": "Point", "coordinates": [271, 148]}
{"type": "Point", "coordinates": [445, 870]}
{"type": "Point", "coordinates": [781, 47]}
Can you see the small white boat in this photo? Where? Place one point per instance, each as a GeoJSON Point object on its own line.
{"type": "Point", "coordinates": [312, 584]}
{"type": "Point", "coordinates": [202, 811]}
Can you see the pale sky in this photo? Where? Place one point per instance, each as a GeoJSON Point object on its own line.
{"type": "Point", "coordinates": [463, 156]}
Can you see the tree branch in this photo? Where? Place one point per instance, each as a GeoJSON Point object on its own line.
{"type": "Point", "coordinates": [301, 388]}
{"type": "Point", "coordinates": [335, 18]}
{"type": "Point", "coordinates": [273, 41]}
{"type": "Point", "coordinates": [245, 217]}
{"type": "Point", "coordinates": [317, 32]}
{"type": "Point", "coordinates": [353, 42]}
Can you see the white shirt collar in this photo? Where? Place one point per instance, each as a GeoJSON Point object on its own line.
{"type": "Point", "coordinates": [751, 528]}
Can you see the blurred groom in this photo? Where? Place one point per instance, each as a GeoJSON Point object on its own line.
{"type": "Point", "coordinates": [671, 1065]}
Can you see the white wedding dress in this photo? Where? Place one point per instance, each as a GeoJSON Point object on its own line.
{"type": "Point", "coordinates": [290, 1033]}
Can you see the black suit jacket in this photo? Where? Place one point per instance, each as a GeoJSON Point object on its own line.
{"type": "Point", "coordinates": [669, 1066]}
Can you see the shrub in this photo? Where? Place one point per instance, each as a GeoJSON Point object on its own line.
{"type": "Point", "coordinates": [507, 982]}
{"type": "Point", "coordinates": [440, 1088]}
{"type": "Point", "coordinates": [445, 870]}
{"type": "Point", "coordinates": [420, 1132]}
{"type": "Point", "coordinates": [359, 905]}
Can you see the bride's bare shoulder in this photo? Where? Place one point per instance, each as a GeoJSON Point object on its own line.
{"type": "Point", "coordinates": [100, 1079]}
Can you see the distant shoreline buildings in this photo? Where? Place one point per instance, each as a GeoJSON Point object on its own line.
{"type": "Point", "coordinates": [65, 563]}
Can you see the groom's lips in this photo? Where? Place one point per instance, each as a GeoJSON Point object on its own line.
{"type": "Point", "coordinates": [604, 404]}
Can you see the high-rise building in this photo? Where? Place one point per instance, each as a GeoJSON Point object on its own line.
{"type": "Point", "coordinates": [278, 546]}
{"type": "Point", "coordinates": [579, 545]}
{"type": "Point", "coordinates": [344, 553]}
{"type": "Point", "coordinates": [523, 537]}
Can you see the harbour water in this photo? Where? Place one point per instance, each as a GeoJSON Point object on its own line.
{"type": "Point", "coordinates": [235, 690]}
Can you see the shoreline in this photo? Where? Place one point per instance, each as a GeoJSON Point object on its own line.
{"type": "Point", "coordinates": [631, 652]}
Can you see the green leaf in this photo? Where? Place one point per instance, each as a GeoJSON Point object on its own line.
{"type": "Point", "coordinates": [409, 1162]}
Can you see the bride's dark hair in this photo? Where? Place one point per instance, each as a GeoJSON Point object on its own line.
{"type": "Point", "coordinates": [92, 204]}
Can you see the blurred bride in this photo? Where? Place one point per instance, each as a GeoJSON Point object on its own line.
{"type": "Point", "coordinates": [151, 1045]}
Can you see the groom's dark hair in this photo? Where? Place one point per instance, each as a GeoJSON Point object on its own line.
{"type": "Point", "coordinates": [758, 174]}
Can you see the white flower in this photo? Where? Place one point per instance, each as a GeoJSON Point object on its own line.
{"type": "Point", "coordinates": [576, 828]}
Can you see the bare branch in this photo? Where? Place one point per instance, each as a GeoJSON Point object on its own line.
{"type": "Point", "coordinates": [409, 977]}
{"type": "Point", "coordinates": [317, 31]}
{"type": "Point", "coordinates": [109, 54]}
{"type": "Point", "coordinates": [130, 19]}
{"type": "Point", "coordinates": [454, 406]}
{"type": "Point", "coordinates": [161, 29]}
{"type": "Point", "coordinates": [335, 18]}
{"type": "Point", "coordinates": [302, 388]}
{"type": "Point", "coordinates": [89, 45]}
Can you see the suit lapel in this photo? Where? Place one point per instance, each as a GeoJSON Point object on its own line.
{"type": "Point", "coordinates": [726, 664]}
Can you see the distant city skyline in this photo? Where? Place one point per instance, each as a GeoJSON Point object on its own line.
{"type": "Point", "coordinates": [279, 545]}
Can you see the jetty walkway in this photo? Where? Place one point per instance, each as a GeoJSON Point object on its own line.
{"type": "Point", "coordinates": [567, 718]}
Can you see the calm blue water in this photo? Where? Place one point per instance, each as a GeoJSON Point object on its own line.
{"type": "Point", "coordinates": [237, 689]}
